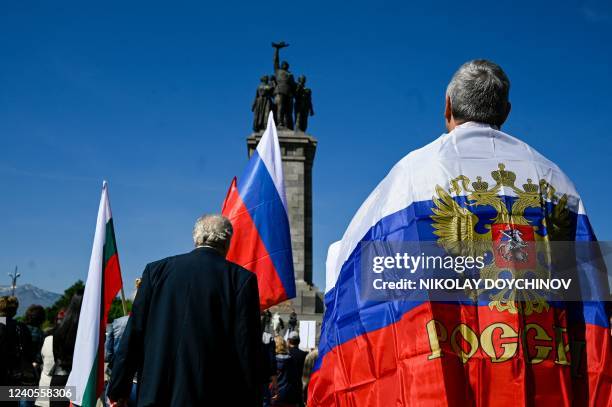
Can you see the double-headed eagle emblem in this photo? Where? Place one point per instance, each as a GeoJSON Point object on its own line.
{"type": "Point", "coordinates": [491, 220]}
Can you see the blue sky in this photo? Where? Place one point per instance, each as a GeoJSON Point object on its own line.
{"type": "Point", "coordinates": [155, 98]}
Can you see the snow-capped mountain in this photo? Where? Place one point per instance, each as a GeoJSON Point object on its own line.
{"type": "Point", "coordinates": [28, 295]}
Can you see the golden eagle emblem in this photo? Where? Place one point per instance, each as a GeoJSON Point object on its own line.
{"type": "Point", "coordinates": [487, 220]}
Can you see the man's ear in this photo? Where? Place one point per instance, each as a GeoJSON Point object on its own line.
{"type": "Point", "coordinates": [448, 109]}
{"type": "Point", "coordinates": [448, 114]}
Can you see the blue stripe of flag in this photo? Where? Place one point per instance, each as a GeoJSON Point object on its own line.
{"type": "Point", "coordinates": [264, 204]}
{"type": "Point", "coordinates": [350, 317]}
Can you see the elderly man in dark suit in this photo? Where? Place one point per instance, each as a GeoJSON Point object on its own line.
{"type": "Point", "coordinates": [194, 334]}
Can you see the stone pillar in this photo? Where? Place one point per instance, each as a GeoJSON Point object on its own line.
{"type": "Point", "coordinates": [298, 152]}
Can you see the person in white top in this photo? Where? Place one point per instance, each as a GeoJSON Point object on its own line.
{"type": "Point", "coordinates": [48, 362]}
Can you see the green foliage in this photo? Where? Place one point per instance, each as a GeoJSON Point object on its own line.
{"type": "Point", "coordinates": [116, 310]}
{"type": "Point", "coordinates": [63, 301]}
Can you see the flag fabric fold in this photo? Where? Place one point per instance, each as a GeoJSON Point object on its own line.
{"type": "Point", "coordinates": [103, 283]}
{"type": "Point", "coordinates": [464, 185]}
{"type": "Point", "coordinates": [257, 207]}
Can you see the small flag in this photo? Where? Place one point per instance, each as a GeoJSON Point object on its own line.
{"type": "Point", "coordinates": [257, 207]}
{"type": "Point", "coordinates": [103, 284]}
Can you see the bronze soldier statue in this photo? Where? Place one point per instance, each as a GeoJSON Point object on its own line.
{"type": "Point", "coordinates": [303, 104]}
{"type": "Point", "coordinates": [284, 89]}
{"type": "Point", "coordinates": [293, 321]}
{"type": "Point", "coordinates": [263, 104]}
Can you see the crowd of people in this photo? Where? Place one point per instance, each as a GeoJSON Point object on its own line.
{"type": "Point", "coordinates": [219, 344]}
{"type": "Point", "coordinates": [31, 356]}
{"type": "Point", "coordinates": [289, 369]}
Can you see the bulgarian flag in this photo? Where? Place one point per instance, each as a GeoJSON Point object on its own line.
{"type": "Point", "coordinates": [103, 284]}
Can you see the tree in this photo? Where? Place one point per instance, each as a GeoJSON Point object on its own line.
{"type": "Point", "coordinates": [116, 310]}
{"type": "Point", "coordinates": [64, 300]}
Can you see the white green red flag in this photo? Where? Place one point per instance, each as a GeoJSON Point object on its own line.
{"type": "Point", "coordinates": [103, 284]}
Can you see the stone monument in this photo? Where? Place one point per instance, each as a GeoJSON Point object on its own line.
{"type": "Point", "coordinates": [292, 103]}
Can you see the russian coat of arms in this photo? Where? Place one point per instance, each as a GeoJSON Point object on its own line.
{"type": "Point", "coordinates": [489, 219]}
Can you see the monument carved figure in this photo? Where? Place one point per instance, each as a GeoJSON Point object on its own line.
{"type": "Point", "coordinates": [303, 104]}
{"type": "Point", "coordinates": [293, 322]}
{"type": "Point", "coordinates": [284, 89]}
{"type": "Point", "coordinates": [290, 102]}
{"type": "Point", "coordinates": [263, 103]}
{"type": "Point", "coordinates": [278, 325]}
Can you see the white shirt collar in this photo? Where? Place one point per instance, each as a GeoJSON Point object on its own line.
{"type": "Point", "coordinates": [476, 124]}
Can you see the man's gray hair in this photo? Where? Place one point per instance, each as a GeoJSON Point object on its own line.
{"type": "Point", "coordinates": [212, 230]}
{"type": "Point", "coordinates": [479, 92]}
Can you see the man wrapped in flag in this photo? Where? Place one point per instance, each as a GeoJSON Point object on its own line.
{"type": "Point", "coordinates": [257, 207]}
{"type": "Point", "coordinates": [103, 284]}
{"type": "Point", "coordinates": [472, 184]}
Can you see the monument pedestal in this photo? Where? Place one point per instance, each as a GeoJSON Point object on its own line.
{"type": "Point", "coordinates": [298, 152]}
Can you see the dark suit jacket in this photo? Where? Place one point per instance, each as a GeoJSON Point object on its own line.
{"type": "Point", "coordinates": [299, 356]}
{"type": "Point", "coordinates": [193, 336]}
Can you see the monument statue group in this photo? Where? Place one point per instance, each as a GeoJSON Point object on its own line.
{"type": "Point", "coordinates": [290, 101]}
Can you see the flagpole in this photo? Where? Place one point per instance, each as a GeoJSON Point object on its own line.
{"type": "Point", "coordinates": [123, 303]}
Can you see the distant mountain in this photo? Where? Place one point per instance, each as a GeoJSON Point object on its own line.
{"type": "Point", "coordinates": [27, 294]}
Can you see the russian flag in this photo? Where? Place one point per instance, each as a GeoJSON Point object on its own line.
{"type": "Point", "coordinates": [424, 353]}
{"type": "Point", "coordinates": [257, 207]}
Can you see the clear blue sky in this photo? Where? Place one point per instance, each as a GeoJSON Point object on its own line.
{"type": "Point", "coordinates": [155, 98]}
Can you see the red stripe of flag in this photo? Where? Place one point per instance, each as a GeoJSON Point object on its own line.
{"type": "Point", "coordinates": [248, 250]}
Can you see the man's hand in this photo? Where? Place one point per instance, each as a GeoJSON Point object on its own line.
{"type": "Point", "coordinates": [119, 403]}
{"type": "Point", "coordinates": [274, 388]}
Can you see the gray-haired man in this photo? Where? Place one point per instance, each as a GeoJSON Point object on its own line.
{"type": "Point", "coordinates": [478, 92]}
{"type": "Point", "coordinates": [194, 336]}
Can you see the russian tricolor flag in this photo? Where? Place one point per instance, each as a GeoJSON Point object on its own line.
{"type": "Point", "coordinates": [425, 353]}
{"type": "Point", "coordinates": [257, 207]}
